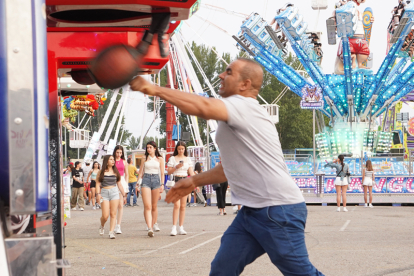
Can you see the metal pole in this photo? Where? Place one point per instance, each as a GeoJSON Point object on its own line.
{"type": "Point", "coordinates": [75, 134]}
{"type": "Point", "coordinates": [208, 147]}
{"type": "Point", "coordinates": [314, 142]}
{"type": "Point", "coordinates": [66, 145]}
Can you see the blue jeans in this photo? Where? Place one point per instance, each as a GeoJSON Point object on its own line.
{"type": "Point", "coordinates": [132, 192]}
{"type": "Point", "coordinates": [278, 231]}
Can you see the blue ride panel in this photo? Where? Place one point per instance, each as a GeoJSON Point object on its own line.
{"type": "Point", "coordinates": [346, 20]}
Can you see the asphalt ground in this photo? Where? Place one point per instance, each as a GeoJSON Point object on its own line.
{"type": "Point", "coordinates": [363, 241]}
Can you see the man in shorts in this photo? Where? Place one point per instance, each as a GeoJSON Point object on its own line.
{"type": "Point", "coordinates": [273, 217]}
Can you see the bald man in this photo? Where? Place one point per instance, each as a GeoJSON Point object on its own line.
{"type": "Point", "coordinates": [273, 217]}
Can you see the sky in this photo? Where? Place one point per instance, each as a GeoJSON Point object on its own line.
{"type": "Point", "coordinates": [214, 28]}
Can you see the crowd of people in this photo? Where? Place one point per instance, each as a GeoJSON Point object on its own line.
{"type": "Point", "coordinates": [111, 186]}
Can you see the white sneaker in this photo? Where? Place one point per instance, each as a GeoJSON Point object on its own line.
{"type": "Point", "coordinates": [173, 231]}
{"type": "Point", "coordinates": [93, 208]}
{"type": "Point", "coordinates": [338, 209]}
{"type": "Point", "coordinates": [181, 231]}
{"type": "Point", "coordinates": [117, 229]}
{"type": "Point", "coordinates": [156, 228]}
{"type": "Point", "coordinates": [81, 209]}
{"type": "Point", "coordinates": [101, 230]}
{"type": "Point", "coordinates": [194, 205]}
{"type": "Point", "coordinates": [112, 235]}
{"type": "Point", "coordinates": [366, 205]}
{"type": "Point", "coordinates": [345, 210]}
{"type": "Point", "coordinates": [370, 205]}
{"type": "Point", "coordinates": [73, 209]}
{"type": "Point", "coordinates": [150, 233]}
{"type": "Point", "coordinates": [146, 228]}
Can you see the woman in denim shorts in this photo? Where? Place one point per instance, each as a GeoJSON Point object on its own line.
{"type": "Point", "coordinates": [151, 171]}
{"type": "Point", "coordinates": [108, 181]}
{"type": "Point", "coordinates": [180, 165]}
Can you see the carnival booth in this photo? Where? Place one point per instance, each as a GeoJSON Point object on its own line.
{"type": "Point", "coordinates": [40, 43]}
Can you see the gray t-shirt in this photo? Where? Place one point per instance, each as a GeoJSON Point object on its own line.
{"type": "Point", "coordinates": [86, 170]}
{"type": "Point", "coordinates": [252, 156]}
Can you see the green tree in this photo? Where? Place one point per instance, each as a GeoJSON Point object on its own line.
{"type": "Point", "coordinates": [133, 142]}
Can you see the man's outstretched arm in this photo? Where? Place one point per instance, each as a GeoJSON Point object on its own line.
{"type": "Point", "coordinates": [190, 104]}
{"type": "Point", "coordinates": [187, 185]}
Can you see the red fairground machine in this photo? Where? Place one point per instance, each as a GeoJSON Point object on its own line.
{"type": "Point", "coordinates": [76, 31]}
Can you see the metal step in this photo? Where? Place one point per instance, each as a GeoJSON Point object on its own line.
{"type": "Point", "coordinates": [331, 30]}
{"type": "Point", "coordinates": [274, 37]}
{"type": "Point", "coordinates": [243, 45]}
{"type": "Point", "coordinates": [398, 31]}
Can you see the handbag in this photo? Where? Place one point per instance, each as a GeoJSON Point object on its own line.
{"type": "Point", "coordinates": [170, 183]}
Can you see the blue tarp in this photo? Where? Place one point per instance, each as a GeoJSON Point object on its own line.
{"type": "Point", "coordinates": [176, 135]}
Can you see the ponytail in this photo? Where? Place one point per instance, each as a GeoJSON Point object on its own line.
{"type": "Point", "coordinates": [341, 158]}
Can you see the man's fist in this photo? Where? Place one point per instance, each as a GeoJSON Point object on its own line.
{"type": "Point", "coordinates": [144, 86]}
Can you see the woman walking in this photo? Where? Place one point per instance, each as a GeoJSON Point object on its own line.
{"type": "Point", "coordinates": [92, 178]}
{"type": "Point", "coordinates": [122, 167]}
{"type": "Point", "coordinates": [180, 166]}
{"type": "Point", "coordinates": [368, 181]}
{"type": "Point", "coordinates": [221, 191]}
{"type": "Point", "coordinates": [341, 181]}
{"type": "Point", "coordinates": [151, 171]}
{"type": "Point", "coordinates": [108, 185]}
{"type": "Point", "coordinates": [198, 170]}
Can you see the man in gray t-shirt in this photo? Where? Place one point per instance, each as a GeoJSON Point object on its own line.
{"type": "Point", "coordinates": [274, 213]}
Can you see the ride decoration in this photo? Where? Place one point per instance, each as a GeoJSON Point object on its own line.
{"type": "Point", "coordinates": [74, 104]}
{"type": "Point", "coordinates": [311, 97]}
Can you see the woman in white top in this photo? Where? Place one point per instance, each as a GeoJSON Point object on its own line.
{"type": "Point", "coordinates": [151, 172]}
{"type": "Point", "coordinates": [368, 180]}
{"type": "Point", "coordinates": [180, 166]}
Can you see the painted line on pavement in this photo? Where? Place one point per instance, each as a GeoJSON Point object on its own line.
{"type": "Point", "coordinates": [174, 243]}
{"type": "Point", "coordinates": [201, 244]}
{"type": "Point", "coordinates": [345, 225]}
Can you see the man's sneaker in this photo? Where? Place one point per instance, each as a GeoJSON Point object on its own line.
{"type": "Point", "coordinates": [93, 208]}
{"type": "Point", "coordinates": [345, 210]}
{"type": "Point", "coordinates": [73, 209]}
{"type": "Point", "coordinates": [366, 205]}
{"type": "Point", "coordinates": [194, 205]}
{"type": "Point", "coordinates": [370, 205]}
{"type": "Point", "coordinates": [101, 230]}
{"type": "Point", "coordinates": [112, 235]}
{"type": "Point", "coordinates": [181, 231]}
{"type": "Point", "coordinates": [150, 233]}
{"type": "Point", "coordinates": [173, 231]}
{"type": "Point", "coordinates": [338, 209]}
{"type": "Point", "coordinates": [135, 205]}
{"type": "Point", "coordinates": [118, 229]}
{"type": "Point", "coordinates": [81, 209]}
